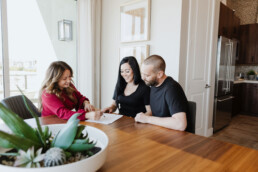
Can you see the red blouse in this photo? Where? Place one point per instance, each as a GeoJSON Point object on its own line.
{"type": "Point", "coordinates": [52, 105]}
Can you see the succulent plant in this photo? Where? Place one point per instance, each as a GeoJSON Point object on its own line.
{"type": "Point", "coordinates": [66, 135]}
{"type": "Point", "coordinates": [22, 132]}
{"type": "Point", "coordinates": [54, 156]}
{"type": "Point", "coordinates": [29, 159]}
{"type": "Point", "coordinates": [26, 139]}
{"type": "Point", "coordinates": [71, 138]}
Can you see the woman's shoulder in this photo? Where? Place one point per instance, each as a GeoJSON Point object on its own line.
{"type": "Point", "coordinates": [46, 94]}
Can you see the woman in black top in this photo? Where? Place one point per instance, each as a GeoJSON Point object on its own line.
{"type": "Point", "coordinates": [131, 95]}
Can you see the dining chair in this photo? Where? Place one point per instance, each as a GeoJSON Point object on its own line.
{"type": "Point", "coordinates": [191, 117]}
{"type": "Point", "coordinates": [17, 105]}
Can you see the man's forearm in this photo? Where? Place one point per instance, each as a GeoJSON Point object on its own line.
{"type": "Point", "coordinates": [176, 122]}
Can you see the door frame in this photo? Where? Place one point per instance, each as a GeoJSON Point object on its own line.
{"type": "Point", "coordinates": [5, 52]}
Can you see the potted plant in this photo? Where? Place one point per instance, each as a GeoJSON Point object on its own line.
{"type": "Point", "coordinates": [40, 147]}
{"type": "Point", "coordinates": [251, 75]}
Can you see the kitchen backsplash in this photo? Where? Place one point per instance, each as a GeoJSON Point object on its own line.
{"type": "Point", "coordinates": [245, 69]}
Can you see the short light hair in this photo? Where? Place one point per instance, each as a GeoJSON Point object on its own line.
{"type": "Point", "coordinates": [157, 62]}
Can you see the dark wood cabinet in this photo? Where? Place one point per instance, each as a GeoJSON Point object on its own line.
{"type": "Point", "coordinates": [254, 99]}
{"type": "Point", "coordinates": [248, 44]}
{"type": "Point", "coordinates": [223, 28]}
{"type": "Point", "coordinates": [246, 95]}
{"type": "Point", "coordinates": [228, 23]}
{"type": "Point", "coordinates": [243, 44]}
{"type": "Point", "coordinates": [237, 93]}
{"type": "Point", "coordinates": [245, 99]}
{"type": "Point", "coordinates": [256, 44]}
{"type": "Point", "coordinates": [236, 27]}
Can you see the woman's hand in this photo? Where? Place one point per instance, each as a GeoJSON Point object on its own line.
{"type": "Point", "coordinates": [107, 109]}
{"type": "Point", "coordinates": [93, 115]}
{"type": "Point", "coordinates": [110, 109]}
{"type": "Point", "coordinates": [88, 107]}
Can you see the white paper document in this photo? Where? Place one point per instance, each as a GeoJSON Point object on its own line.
{"type": "Point", "coordinates": [106, 118]}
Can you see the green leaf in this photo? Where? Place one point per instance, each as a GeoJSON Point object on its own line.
{"type": "Point", "coordinates": [67, 134]}
{"type": "Point", "coordinates": [79, 131]}
{"type": "Point", "coordinates": [22, 162]}
{"type": "Point", "coordinates": [18, 142]}
{"type": "Point", "coordinates": [5, 144]}
{"type": "Point", "coordinates": [80, 141]}
{"type": "Point", "coordinates": [54, 140]}
{"type": "Point", "coordinates": [80, 147]}
{"type": "Point", "coordinates": [41, 136]}
{"type": "Point", "coordinates": [17, 125]}
{"type": "Point", "coordinates": [67, 154]}
{"type": "Point", "coordinates": [9, 154]}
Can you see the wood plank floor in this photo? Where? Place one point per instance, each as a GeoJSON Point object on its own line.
{"type": "Point", "coordinates": [243, 130]}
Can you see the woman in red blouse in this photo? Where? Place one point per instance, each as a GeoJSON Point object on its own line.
{"type": "Point", "coordinates": [60, 97]}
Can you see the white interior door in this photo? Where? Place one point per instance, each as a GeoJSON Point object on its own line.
{"type": "Point", "coordinates": [200, 61]}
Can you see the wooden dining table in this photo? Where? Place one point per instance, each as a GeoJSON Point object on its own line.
{"type": "Point", "coordinates": [144, 147]}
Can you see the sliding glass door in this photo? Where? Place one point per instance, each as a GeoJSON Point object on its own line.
{"type": "Point", "coordinates": [32, 42]}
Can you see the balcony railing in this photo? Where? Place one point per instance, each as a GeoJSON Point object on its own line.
{"type": "Point", "coordinates": [25, 81]}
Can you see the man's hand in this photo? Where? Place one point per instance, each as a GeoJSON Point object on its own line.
{"type": "Point", "coordinates": [141, 117]}
{"type": "Point", "coordinates": [88, 107]}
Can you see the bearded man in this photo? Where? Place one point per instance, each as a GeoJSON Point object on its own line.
{"type": "Point", "coordinates": [168, 102]}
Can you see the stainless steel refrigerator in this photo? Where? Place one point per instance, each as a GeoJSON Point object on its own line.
{"type": "Point", "coordinates": [225, 69]}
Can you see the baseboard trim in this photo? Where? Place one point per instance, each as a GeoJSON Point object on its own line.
{"type": "Point", "coordinates": [209, 132]}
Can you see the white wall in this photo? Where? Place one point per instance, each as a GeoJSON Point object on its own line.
{"type": "Point", "coordinates": [52, 12]}
{"type": "Point", "coordinates": [164, 40]}
{"type": "Point", "coordinates": [165, 33]}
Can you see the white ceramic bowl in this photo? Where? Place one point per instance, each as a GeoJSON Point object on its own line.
{"type": "Point", "coordinates": [92, 163]}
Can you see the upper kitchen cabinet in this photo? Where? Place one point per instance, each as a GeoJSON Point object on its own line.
{"type": "Point", "coordinates": [228, 23]}
{"type": "Point", "coordinates": [236, 27]}
{"type": "Point", "coordinates": [248, 44]}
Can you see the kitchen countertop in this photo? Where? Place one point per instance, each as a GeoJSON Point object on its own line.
{"type": "Point", "coordinates": [245, 81]}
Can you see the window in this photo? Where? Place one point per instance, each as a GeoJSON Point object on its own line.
{"type": "Point", "coordinates": [33, 43]}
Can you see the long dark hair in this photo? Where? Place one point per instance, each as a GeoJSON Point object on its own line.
{"type": "Point", "coordinates": [121, 83]}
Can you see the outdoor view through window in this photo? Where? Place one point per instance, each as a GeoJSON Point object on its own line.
{"type": "Point", "coordinates": [33, 43]}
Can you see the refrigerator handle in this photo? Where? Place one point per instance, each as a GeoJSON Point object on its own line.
{"type": "Point", "coordinates": [225, 63]}
{"type": "Point", "coordinates": [222, 100]}
{"type": "Point", "coordinates": [230, 65]}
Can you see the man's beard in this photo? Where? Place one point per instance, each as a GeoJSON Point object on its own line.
{"type": "Point", "coordinates": [152, 83]}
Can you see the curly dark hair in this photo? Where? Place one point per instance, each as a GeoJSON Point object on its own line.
{"type": "Point", "coordinates": [121, 83]}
